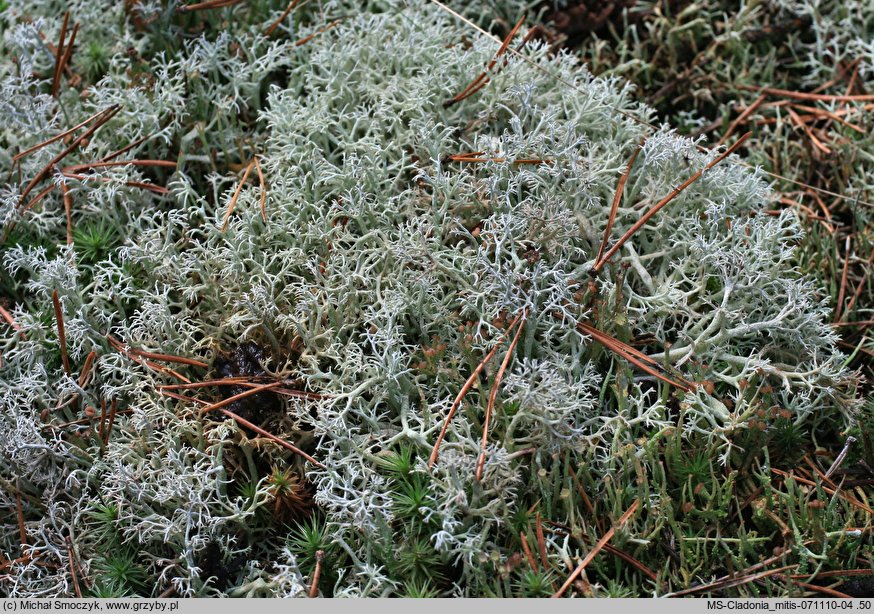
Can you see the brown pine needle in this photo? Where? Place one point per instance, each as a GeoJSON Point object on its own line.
{"type": "Point", "coordinates": [275, 24]}
{"type": "Point", "coordinates": [242, 395]}
{"type": "Point", "coordinates": [59, 54]}
{"type": "Point", "coordinates": [649, 573]}
{"type": "Point", "coordinates": [68, 210]}
{"type": "Point", "coordinates": [616, 200]}
{"type": "Point", "coordinates": [532, 562]}
{"type": "Point", "coordinates": [68, 51]}
{"type": "Point", "coordinates": [263, 201]}
{"type": "Point", "coordinates": [45, 192]}
{"type": "Point", "coordinates": [772, 91]}
{"type": "Point", "coordinates": [236, 195]}
{"type": "Point", "coordinates": [82, 167]}
{"type": "Point", "coordinates": [464, 390]}
{"type": "Point", "coordinates": [832, 116]}
{"type": "Point", "coordinates": [482, 79]}
{"type": "Point", "coordinates": [481, 461]}
{"type": "Point", "coordinates": [730, 582]}
{"type": "Point", "coordinates": [843, 289]}
{"type": "Point", "coordinates": [597, 548]}
{"type": "Point", "coordinates": [271, 437]}
{"type": "Point", "coordinates": [806, 129]}
{"type": "Point", "coordinates": [824, 590]}
{"type": "Point", "coordinates": [306, 39]}
{"type": "Point", "coordinates": [634, 356]}
{"type": "Point", "coordinates": [658, 206]}
{"type": "Point", "coordinates": [11, 321]}
{"type": "Point", "coordinates": [210, 4]}
{"type": "Point", "coordinates": [62, 337]}
{"type": "Point", "coordinates": [150, 187]}
{"type": "Point", "coordinates": [57, 137]}
{"type": "Point", "coordinates": [227, 381]}
{"type": "Point", "coordinates": [317, 573]}
{"type": "Point", "coordinates": [101, 119]}
{"type": "Point", "coordinates": [126, 148]}
{"type": "Point", "coordinates": [851, 500]}
{"type": "Point", "coordinates": [740, 119]}
{"type": "Point", "coordinates": [131, 351]}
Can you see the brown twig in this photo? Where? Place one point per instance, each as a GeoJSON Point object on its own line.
{"type": "Point", "coordinates": [464, 390]}
{"type": "Point", "coordinates": [597, 548]}
{"type": "Point", "coordinates": [658, 206]}
{"type": "Point", "coordinates": [481, 461]}
{"type": "Point", "coordinates": [236, 195]}
{"type": "Point", "coordinates": [275, 24]}
{"type": "Point", "coordinates": [62, 337]}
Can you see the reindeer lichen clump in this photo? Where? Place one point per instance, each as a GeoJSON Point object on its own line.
{"type": "Point", "coordinates": [377, 268]}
